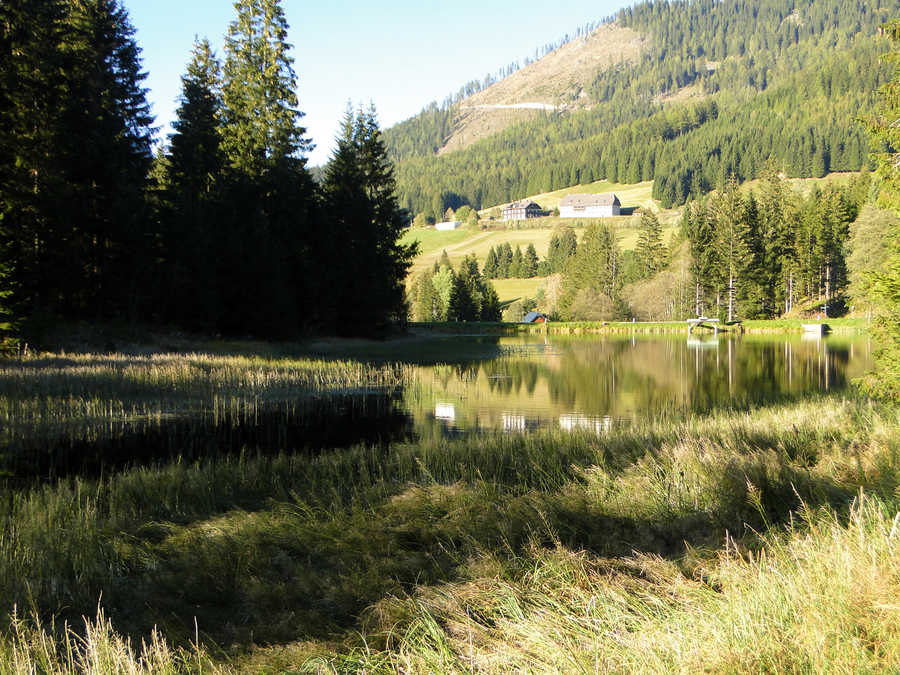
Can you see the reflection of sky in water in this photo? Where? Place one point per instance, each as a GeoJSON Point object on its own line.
{"type": "Point", "coordinates": [594, 383]}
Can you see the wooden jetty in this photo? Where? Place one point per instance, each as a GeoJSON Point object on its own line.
{"type": "Point", "coordinates": [702, 321]}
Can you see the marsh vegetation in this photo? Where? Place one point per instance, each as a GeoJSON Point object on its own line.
{"type": "Point", "coordinates": [743, 538]}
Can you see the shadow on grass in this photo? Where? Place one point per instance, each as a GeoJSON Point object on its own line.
{"type": "Point", "coordinates": [275, 549]}
{"type": "Point", "coordinates": [292, 572]}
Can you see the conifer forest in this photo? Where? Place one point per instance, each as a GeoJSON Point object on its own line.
{"type": "Point", "coordinates": [221, 229]}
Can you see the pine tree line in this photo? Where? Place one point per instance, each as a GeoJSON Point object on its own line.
{"type": "Point", "coordinates": [776, 80]}
{"type": "Point", "coordinates": [224, 229]}
{"type": "Point", "coordinates": [764, 255]}
{"type": "Point", "coordinates": [445, 294]}
{"type": "Point", "coordinates": [504, 263]}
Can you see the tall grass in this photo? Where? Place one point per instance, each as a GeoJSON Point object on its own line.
{"type": "Point", "coordinates": [819, 597]}
{"type": "Point", "coordinates": [757, 540]}
{"type": "Point", "coordinates": [286, 548]}
{"type": "Point", "coordinates": [97, 648]}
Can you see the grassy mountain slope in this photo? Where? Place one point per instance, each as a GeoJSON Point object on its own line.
{"type": "Point", "coordinates": [474, 241]}
{"type": "Point", "coordinates": [559, 81]}
{"type": "Point", "coordinates": [708, 89]}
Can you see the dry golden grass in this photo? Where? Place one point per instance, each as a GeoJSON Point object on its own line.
{"type": "Point", "coordinates": [557, 80]}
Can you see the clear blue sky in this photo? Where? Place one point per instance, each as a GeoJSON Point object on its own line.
{"type": "Point", "coordinates": [399, 54]}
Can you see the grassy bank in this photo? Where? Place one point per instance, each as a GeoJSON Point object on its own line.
{"type": "Point", "coordinates": [763, 540]}
{"type": "Point", "coordinates": [853, 326]}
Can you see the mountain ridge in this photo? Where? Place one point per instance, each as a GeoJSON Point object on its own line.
{"type": "Point", "coordinates": [717, 88]}
{"type": "Point", "coordinates": [554, 83]}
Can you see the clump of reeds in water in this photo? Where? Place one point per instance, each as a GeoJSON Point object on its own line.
{"type": "Point", "coordinates": [80, 401]}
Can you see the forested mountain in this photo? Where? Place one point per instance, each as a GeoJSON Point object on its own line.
{"type": "Point", "coordinates": [718, 88]}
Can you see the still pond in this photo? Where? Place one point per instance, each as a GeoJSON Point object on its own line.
{"type": "Point", "coordinates": [596, 382]}
{"type": "Point", "coordinates": [445, 387]}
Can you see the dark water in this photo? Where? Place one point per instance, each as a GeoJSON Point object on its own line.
{"type": "Point", "coordinates": [596, 382]}
{"type": "Point", "coordinates": [514, 385]}
{"type": "Point", "coordinates": [92, 449]}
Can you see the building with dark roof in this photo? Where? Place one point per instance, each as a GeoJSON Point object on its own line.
{"type": "Point", "coordinates": [522, 209]}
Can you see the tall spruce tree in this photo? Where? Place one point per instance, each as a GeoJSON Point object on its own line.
{"type": "Point", "coordinates": [274, 287]}
{"type": "Point", "coordinates": [650, 250]}
{"type": "Point", "coordinates": [261, 118]}
{"type": "Point", "coordinates": [365, 223]}
{"type": "Point", "coordinates": [731, 239]}
{"type": "Point", "coordinates": [776, 230]}
{"type": "Point", "coordinates": [193, 195]}
{"type": "Point", "coordinates": [704, 268]}
{"type": "Point", "coordinates": [529, 262]}
{"type": "Point", "coordinates": [110, 144]}
{"type": "Point", "coordinates": [593, 272]}
{"type": "Point", "coordinates": [196, 157]}
{"type": "Point", "coordinates": [32, 172]}
{"type": "Point", "coordinates": [79, 142]}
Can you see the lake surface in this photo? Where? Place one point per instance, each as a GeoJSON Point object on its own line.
{"type": "Point", "coordinates": [594, 382]}
{"type": "Point", "coordinates": [513, 385]}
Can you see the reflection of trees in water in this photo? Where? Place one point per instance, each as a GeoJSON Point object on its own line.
{"type": "Point", "coordinates": [669, 375]}
{"type": "Point", "coordinates": [627, 379]}
{"type": "Point", "coordinates": [510, 375]}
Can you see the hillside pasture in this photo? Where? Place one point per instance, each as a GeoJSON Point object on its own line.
{"type": "Point", "coordinates": [511, 290]}
{"type": "Point", "coordinates": [467, 242]}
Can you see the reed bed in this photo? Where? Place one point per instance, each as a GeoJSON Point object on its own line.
{"type": "Point", "coordinates": [66, 404]}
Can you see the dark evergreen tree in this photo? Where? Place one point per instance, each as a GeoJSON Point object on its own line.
{"type": "Point", "coordinates": [365, 223]}
{"type": "Point", "coordinates": [504, 260]}
{"type": "Point", "coordinates": [777, 265]}
{"type": "Point", "coordinates": [426, 301]}
{"type": "Point", "coordinates": [515, 268]}
{"type": "Point", "coordinates": [704, 268]}
{"type": "Point", "coordinates": [732, 247]}
{"type": "Point", "coordinates": [388, 261]}
{"type": "Point", "coordinates": [650, 252]}
{"type": "Point", "coordinates": [490, 303]}
{"type": "Point", "coordinates": [594, 274]}
{"type": "Point", "coordinates": [79, 142]}
{"type": "Point", "coordinates": [563, 245]}
{"type": "Point", "coordinates": [529, 262]}
{"type": "Point", "coordinates": [271, 231]}
{"type": "Point", "coordinates": [490, 264]}
{"type": "Point", "coordinates": [461, 306]}
{"type": "Point", "coordinates": [192, 200]}
{"type": "Point", "coordinates": [33, 174]}
{"type": "Point", "coordinates": [261, 119]}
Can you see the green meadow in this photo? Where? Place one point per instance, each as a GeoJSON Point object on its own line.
{"type": "Point", "coordinates": [757, 540]}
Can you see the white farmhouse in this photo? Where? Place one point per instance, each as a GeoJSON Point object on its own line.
{"type": "Point", "coordinates": [590, 206]}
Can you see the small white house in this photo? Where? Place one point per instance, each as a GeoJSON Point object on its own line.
{"type": "Point", "coordinates": [603, 205]}
{"type": "Point", "coordinates": [448, 225]}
